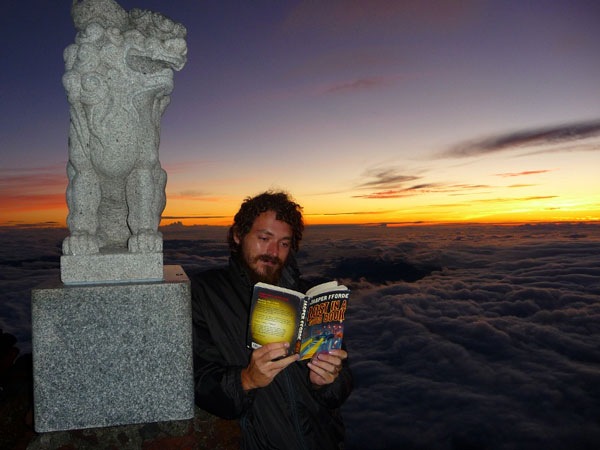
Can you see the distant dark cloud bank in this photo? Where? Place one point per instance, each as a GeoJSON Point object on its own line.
{"type": "Point", "coordinates": [459, 337]}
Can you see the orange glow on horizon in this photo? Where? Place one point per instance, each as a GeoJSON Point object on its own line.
{"type": "Point", "coordinates": [17, 210]}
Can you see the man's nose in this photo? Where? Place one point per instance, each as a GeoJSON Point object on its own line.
{"type": "Point", "coordinates": [273, 249]}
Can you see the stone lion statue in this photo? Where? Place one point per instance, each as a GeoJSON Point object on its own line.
{"type": "Point", "coordinates": [119, 74]}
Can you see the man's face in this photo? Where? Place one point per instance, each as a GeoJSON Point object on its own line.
{"type": "Point", "coordinates": [266, 247]}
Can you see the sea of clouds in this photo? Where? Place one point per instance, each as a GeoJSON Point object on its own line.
{"type": "Point", "coordinates": [460, 337]}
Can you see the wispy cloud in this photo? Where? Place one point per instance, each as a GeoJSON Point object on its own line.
{"type": "Point", "coordinates": [193, 217]}
{"type": "Point", "coordinates": [400, 193]}
{"type": "Point", "coordinates": [360, 84]}
{"type": "Point", "coordinates": [467, 186]}
{"type": "Point", "coordinates": [386, 178]}
{"type": "Point", "coordinates": [448, 205]}
{"type": "Point", "coordinates": [492, 200]}
{"type": "Point", "coordinates": [518, 174]}
{"type": "Point", "coordinates": [15, 224]}
{"type": "Point", "coordinates": [420, 189]}
{"type": "Point", "coordinates": [193, 195]}
{"type": "Point", "coordinates": [518, 199]}
{"type": "Point", "coordinates": [352, 213]}
{"type": "Point", "coordinates": [578, 147]}
{"type": "Point", "coordinates": [562, 134]}
{"type": "Point", "coordinates": [21, 180]}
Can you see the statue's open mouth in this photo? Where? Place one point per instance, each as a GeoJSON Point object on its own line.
{"type": "Point", "coordinates": [146, 64]}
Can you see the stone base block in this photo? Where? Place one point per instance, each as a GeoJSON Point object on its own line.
{"type": "Point", "coordinates": [111, 267]}
{"type": "Point", "coordinates": [112, 354]}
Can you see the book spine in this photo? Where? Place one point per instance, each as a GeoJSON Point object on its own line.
{"type": "Point", "coordinates": [301, 325]}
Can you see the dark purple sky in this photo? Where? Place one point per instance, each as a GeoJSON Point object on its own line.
{"type": "Point", "coordinates": [408, 100]}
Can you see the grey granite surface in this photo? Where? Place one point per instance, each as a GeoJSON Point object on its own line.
{"type": "Point", "coordinates": [111, 267]}
{"type": "Point", "coordinates": [112, 354]}
{"type": "Point", "coordinates": [118, 79]}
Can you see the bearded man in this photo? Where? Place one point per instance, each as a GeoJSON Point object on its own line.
{"type": "Point", "coordinates": [280, 402]}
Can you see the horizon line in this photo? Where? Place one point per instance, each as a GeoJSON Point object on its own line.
{"type": "Point", "coordinates": [383, 224]}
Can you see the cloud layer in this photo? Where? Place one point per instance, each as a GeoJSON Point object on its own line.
{"type": "Point", "coordinates": [459, 336]}
{"type": "Point", "coordinates": [500, 349]}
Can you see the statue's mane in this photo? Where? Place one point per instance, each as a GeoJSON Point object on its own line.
{"type": "Point", "coordinates": [107, 13]}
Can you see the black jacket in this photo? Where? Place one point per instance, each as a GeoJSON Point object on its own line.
{"type": "Point", "coordinates": [289, 413]}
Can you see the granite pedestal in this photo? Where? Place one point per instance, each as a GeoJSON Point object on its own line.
{"type": "Point", "coordinates": [112, 354]}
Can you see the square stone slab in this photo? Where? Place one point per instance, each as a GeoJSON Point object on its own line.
{"type": "Point", "coordinates": [111, 267]}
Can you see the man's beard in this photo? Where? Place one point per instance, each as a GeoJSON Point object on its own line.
{"type": "Point", "coordinates": [271, 274]}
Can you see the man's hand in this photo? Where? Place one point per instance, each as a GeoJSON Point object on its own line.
{"type": "Point", "coordinates": [325, 367]}
{"type": "Point", "coordinates": [262, 368]}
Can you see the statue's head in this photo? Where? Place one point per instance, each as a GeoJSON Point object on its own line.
{"type": "Point", "coordinates": [154, 42]}
{"type": "Point", "coordinates": [164, 44]}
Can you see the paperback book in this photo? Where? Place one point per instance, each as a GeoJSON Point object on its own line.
{"type": "Point", "coordinates": [311, 323]}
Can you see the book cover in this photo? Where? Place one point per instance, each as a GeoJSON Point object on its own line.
{"type": "Point", "coordinates": [324, 324]}
{"type": "Point", "coordinates": [275, 315]}
{"type": "Point", "coordinates": [311, 323]}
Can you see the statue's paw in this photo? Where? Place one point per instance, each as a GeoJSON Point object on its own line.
{"type": "Point", "coordinates": [146, 241]}
{"type": "Point", "coordinates": [80, 243]}
{"type": "Point", "coordinates": [102, 239]}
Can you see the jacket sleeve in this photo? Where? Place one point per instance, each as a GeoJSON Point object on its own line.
{"type": "Point", "coordinates": [333, 395]}
{"type": "Point", "coordinates": [218, 386]}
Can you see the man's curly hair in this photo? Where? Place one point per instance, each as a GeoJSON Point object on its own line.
{"type": "Point", "coordinates": [285, 209]}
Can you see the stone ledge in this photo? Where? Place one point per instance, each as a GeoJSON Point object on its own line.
{"type": "Point", "coordinates": [111, 267]}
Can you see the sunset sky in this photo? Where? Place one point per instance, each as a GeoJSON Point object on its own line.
{"type": "Point", "coordinates": [375, 111]}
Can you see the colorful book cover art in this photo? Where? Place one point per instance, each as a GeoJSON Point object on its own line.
{"type": "Point", "coordinates": [324, 330]}
{"type": "Point", "coordinates": [321, 339]}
